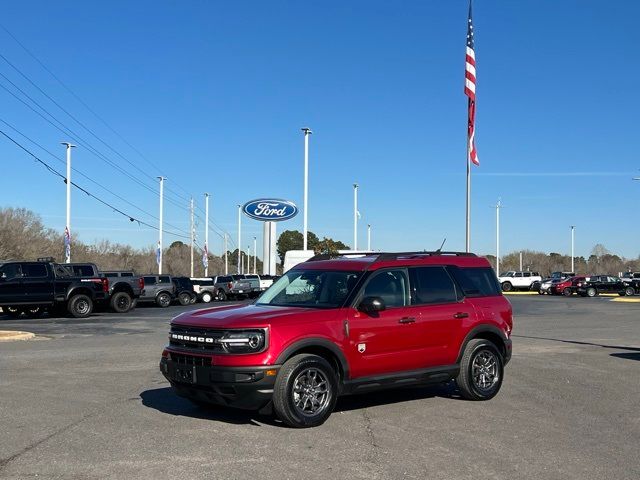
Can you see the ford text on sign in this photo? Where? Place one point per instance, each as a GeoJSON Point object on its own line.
{"type": "Point", "coordinates": [270, 209]}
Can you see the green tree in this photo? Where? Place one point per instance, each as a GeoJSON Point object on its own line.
{"type": "Point", "coordinates": [292, 240]}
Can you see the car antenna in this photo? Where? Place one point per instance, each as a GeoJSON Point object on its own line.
{"type": "Point", "coordinates": [442, 245]}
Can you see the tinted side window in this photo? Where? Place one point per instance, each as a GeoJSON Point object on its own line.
{"type": "Point", "coordinates": [519, 274]}
{"type": "Point", "coordinates": [223, 279]}
{"type": "Point", "coordinates": [432, 285]}
{"type": "Point", "coordinates": [164, 279]}
{"type": "Point", "coordinates": [476, 282]}
{"type": "Point", "coordinates": [390, 285]}
{"type": "Point", "coordinates": [149, 280]}
{"type": "Point", "coordinates": [83, 270]}
{"type": "Point", "coordinates": [11, 270]}
{"type": "Point", "coordinates": [527, 274]}
{"type": "Point", "coordinates": [34, 270]}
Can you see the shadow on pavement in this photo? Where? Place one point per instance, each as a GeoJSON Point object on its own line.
{"type": "Point", "coordinates": [627, 355]}
{"type": "Point", "coordinates": [165, 401]}
{"type": "Point", "coordinates": [397, 395]}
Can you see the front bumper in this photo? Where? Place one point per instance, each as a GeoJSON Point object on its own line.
{"type": "Point", "coordinates": [248, 388]}
{"type": "Point", "coordinates": [508, 349]}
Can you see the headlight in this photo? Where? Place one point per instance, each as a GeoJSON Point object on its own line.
{"type": "Point", "coordinates": [245, 341]}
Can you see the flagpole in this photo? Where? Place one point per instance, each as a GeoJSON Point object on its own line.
{"type": "Point", "coordinates": [468, 220]}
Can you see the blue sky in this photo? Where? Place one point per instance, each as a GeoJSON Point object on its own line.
{"type": "Point", "coordinates": [214, 95]}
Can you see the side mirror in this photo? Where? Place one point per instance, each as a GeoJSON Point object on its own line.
{"type": "Point", "coordinates": [372, 305]}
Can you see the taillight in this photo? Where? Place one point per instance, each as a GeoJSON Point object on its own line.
{"type": "Point", "coordinates": [141, 283]}
{"type": "Point", "coordinates": [229, 285]}
{"type": "Point", "coordinates": [105, 285]}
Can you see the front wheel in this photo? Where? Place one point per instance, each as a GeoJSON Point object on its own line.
{"type": "Point", "coordinates": [163, 300]}
{"type": "Point", "coordinates": [184, 298]}
{"type": "Point", "coordinates": [222, 296]}
{"type": "Point", "coordinates": [306, 391]}
{"type": "Point", "coordinates": [481, 370]}
{"type": "Point", "coordinates": [567, 292]}
{"type": "Point", "coordinates": [629, 291]}
{"type": "Point", "coordinates": [206, 297]}
{"type": "Point", "coordinates": [507, 287]}
{"type": "Point", "coordinates": [121, 302]}
{"type": "Point", "coordinates": [591, 292]}
{"type": "Point", "coordinates": [80, 306]}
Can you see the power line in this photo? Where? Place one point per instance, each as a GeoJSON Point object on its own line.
{"type": "Point", "coordinates": [107, 204]}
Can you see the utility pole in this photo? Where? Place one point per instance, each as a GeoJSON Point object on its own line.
{"type": "Point", "coordinates": [255, 254]}
{"type": "Point", "coordinates": [67, 230]}
{"type": "Point", "coordinates": [498, 207]}
{"type": "Point", "coordinates": [355, 216]}
{"type": "Point", "coordinates": [239, 240]}
{"type": "Point", "coordinates": [520, 261]}
{"type": "Point", "coordinates": [226, 260]}
{"type": "Point", "coordinates": [307, 132]}
{"type": "Point", "coordinates": [159, 254]}
{"type": "Point", "coordinates": [573, 236]}
{"type": "Point", "coordinates": [368, 237]}
{"type": "Point", "coordinates": [206, 234]}
{"type": "Point", "coordinates": [192, 231]}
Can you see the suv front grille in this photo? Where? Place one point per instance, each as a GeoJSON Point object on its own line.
{"type": "Point", "coordinates": [196, 338]}
{"type": "Point", "coordinates": [190, 360]}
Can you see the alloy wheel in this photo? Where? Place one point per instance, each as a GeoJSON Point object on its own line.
{"type": "Point", "coordinates": [485, 371]}
{"type": "Point", "coordinates": [310, 392]}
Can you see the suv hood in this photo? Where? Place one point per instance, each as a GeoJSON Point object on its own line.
{"type": "Point", "coordinates": [251, 316]}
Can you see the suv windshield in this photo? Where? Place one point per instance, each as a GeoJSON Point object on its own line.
{"type": "Point", "coordinates": [311, 288]}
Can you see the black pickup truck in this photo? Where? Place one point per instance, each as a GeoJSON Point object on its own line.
{"type": "Point", "coordinates": [124, 286]}
{"type": "Point", "coordinates": [29, 288]}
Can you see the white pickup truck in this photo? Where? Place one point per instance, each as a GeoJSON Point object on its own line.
{"type": "Point", "coordinates": [518, 280]}
{"type": "Point", "coordinates": [261, 282]}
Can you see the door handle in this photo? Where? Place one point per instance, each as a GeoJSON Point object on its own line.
{"type": "Point", "coordinates": [407, 320]}
{"type": "Point", "coordinates": [461, 315]}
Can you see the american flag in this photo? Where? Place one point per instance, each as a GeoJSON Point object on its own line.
{"type": "Point", "coordinates": [205, 256]}
{"type": "Point", "coordinates": [67, 243]}
{"type": "Point", "coordinates": [470, 91]}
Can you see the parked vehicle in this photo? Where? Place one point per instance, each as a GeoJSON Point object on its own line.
{"type": "Point", "coordinates": [124, 287]}
{"type": "Point", "coordinates": [256, 285]}
{"type": "Point", "coordinates": [518, 280]}
{"type": "Point", "coordinates": [339, 326]}
{"type": "Point", "coordinates": [184, 292]}
{"type": "Point", "coordinates": [265, 281]}
{"type": "Point", "coordinates": [158, 289]}
{"type": "Point", "coordinates": [544, 286]}
{"type": "Point", "coordinates": [567, 286]}
{"type": "Point", "coordinates": [204, 288]}
{"type": "Point", "coordinates": [633, 279]}
{"type": "Point", "coordinates": [232, 286]}
{"type": "Point", "coordinates": [30, 288]}
{"type": "Point", "coordinates": [597, 284]}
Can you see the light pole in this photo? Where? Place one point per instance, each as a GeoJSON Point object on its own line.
{"type": "Point", "coordinates": [226, 254]}
{"type": "Point", "coordinates": [498, 207]}
{"type": "Point", "coordinates": [368, 237]}
{"type": "Point", "coordinates": [255, 254]}
{"type": "Point", "coordinates": [67, 230]}
{"type": "Point", "coordinates": [192, 233]}
{"type": "Point", "coordinates": [573, 236]}
{"type": "Point", "coordinates": [355, 216]}
{"type": "Point", "coordinates": [159, 253]}
{"type": "Point", "coordinates": [206, 234]}
{"type": "Point", "coordinates": [239, 239]}
{"type": "Point", "coordinates": [307, 131]}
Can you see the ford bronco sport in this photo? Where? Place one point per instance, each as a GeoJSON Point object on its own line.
{"type": "Point", "coordinates": [346, 325]}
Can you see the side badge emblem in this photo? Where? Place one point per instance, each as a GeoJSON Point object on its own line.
{"type": "Point", "coordinates": [362, 347]}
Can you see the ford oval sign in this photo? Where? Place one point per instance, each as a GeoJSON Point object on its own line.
{"type": "Point", "coordinates": [270, 209]}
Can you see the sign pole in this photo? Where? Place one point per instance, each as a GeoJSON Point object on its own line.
{"type": "Point", "coordinates": [307, 132]}
{"type": "Point", "coordinates": [355, 216]}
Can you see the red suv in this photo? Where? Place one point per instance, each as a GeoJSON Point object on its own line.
{"type": "Point", "coordinates": [352, 324]}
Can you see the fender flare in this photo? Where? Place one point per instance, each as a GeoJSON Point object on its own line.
{"type": "Point", "coordinates": [315, 342]}
{"type": "Point", "coordinates": [79, 290]}
{"type": "Point", "coordinates": [482, 329]}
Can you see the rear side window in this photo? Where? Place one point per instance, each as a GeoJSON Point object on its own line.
{"type": "Point", "coordinates": [223, 279]}
{"type": "Point", "coordinates": [431, 285]}
{"type": "Point", "coordinates": [476, 282]}
{"type": "Point", "coordinates": [83, 270]}
{"type": "Point", "coordinates": [34, 270]}
{"type": "Point", "coordinates": [11, 270]}
{"type": "Point", "coordinates": [149, 280]}
{"type": "Point", "coordinates": [164, 279]}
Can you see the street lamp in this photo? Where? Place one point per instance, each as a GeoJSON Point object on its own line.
{"type": "Point", "coordinates": [67, 230]}
{"type": "Point", "coordinates": [307, 131]}
{"type": "Point", "coordinates": [573, 236]}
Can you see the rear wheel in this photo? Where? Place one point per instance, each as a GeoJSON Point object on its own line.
{"type": "Point", "coordinates": [591, 292]}
{"type": "Point", "coordinates": [163, 300]}
{"type": "Point", "coordinates": [184, 298]}
{"type": "Point", "coordinates": [80, 306]}
{"type": "Point", "coordinates": [481, 370]}
{"type": "Point", "coordinates": [121, 302]}
{"type": "Point", "coordinates": [567, 292]}
{"type": "Point", "coordinates": [629, 291]}
{"type": "Point", "coordinates": [306, 391]}
{"type": "Point", "coordinates": [507, 287]}
{"type": "Point", "coordinates": [206, 297]}
{"type": "Point", "coordinates": [222, 296]}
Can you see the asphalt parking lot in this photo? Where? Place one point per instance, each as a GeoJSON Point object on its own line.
{"type": "Point", "coordinates": [85, 399]}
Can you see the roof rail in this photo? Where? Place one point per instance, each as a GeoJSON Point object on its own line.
{"type": "Point", "coordinates": [388, 255]}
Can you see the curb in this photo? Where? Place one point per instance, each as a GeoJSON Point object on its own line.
{"type": "Point", "coordinates": [626, 300]}
{"type": "Point", "coordinates": [10, 336]}
{"type": "Point", "coordinates": [520, 293]}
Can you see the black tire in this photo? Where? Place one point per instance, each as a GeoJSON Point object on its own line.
{"type": "Point", "coordinates": [507, 287]}
{"type": "Point", "coordinates": [193, 299]}
{"type": "Point", "coordinates": [121, 302]}
{"type": "Point", "coordinates": [184, 298]}
{"type": "Point", "coordinates": [629, 291]}
{"type": "Point", "coordinates": [222, 296]}
{"type": "Point", "coordinates": [163, 300]}
{"type": "Point", "coordinates": [206, 297]}
{"type": "Point", "coordinates": [591, 292]}
{"type": "Point", "coordinates": [567, 292]}
{"type": "Point", "coordinates": [80, 306]}
{"type": "Point", "coordinates": [540, 292]}
{"type": "Point", "coordinates": [301, 372]}
{"type": "Point", "coordinates": [476, 353]}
